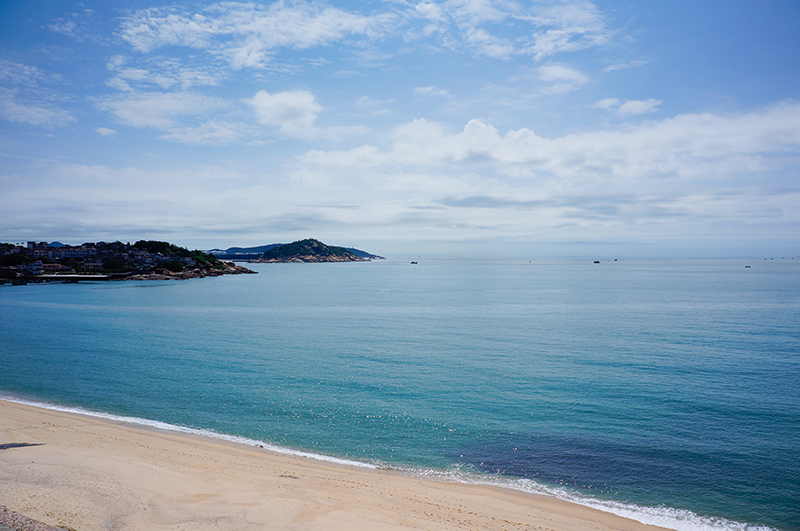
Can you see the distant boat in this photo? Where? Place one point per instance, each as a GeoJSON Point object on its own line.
{"type": "Point", "coordinates": [414, 262]}
{"type": "Point", "coordinates": [747, 267]}
{"type": "Point", "coordinates": [597, 261]}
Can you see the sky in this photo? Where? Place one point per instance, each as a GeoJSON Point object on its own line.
{"type": "Point", "coordinates": [458, 127]}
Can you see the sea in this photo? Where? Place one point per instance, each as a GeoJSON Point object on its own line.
{"type": "Point", "coordinates": [667, 391]}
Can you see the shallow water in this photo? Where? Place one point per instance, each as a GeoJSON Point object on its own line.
{"type": "Point", "coordinates": [663, 387]}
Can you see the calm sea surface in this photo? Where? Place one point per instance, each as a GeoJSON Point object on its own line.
{"type": "Point", "coordinates": [668, 391]}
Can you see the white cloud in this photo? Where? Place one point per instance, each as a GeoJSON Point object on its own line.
{"type": "Point", "coordinates": [211, 133]}
{"type": "Point", "coordinates": [77, 25]}
{"type": "Point", "coordinates": [252, 53]}
{"type": "Point", "coordinates": [65, 27]}
{"type": "Point", "coordinates": [488, 44]}
{"type": "Point", "coordinates": [636, 107]}
{"type": "Point", "coordinates": [116, 61]}
{"type": "Point", "coordinates": [119, 84]}
{"type": "Point", "coordinates": [194, 118]}
{"type": "Point", "coordinates": [367, 101]}
{"type": "Point", "coordinates": [431, 91]}
{"type": "Point", "coordinates": [492, 28]}
{"type": "Point", "coordinates": [27, 98]}
{"type": "Point", "coordinates": [607, 103]}
{"type": "Point", "coordinates": [134, 74]}
{"type": "Point", "coordinates": [685, 177]}
{"type": "Point", "coordinates": [105, 131]}
{"type": "Point", "coordinates": [14, 108]}
{"type": "Point", "coordinates": [292, 112]}
{"type": "Point", "coordinates": [690, 146]}
{"type": "Point", "coordinates": [625, 66]}
{"type": "Point", "coordinates": [430, 11]}
{"type": "Point", "coordinates": [375, 107]}
{"type": "Point", "coordinates": [246, 34]}
{"type": "Point", "coordinates": [571, 26]}
{"type": "Point", "coordinates": [475, 12]}
{"type": "Point", "coordinates": [164, 73]}
{"type": "Point", "coordinates": [184, 117]}
{"type": "Point", "coordinates": [560, 78]}
{"type": "Point", "coordinates": [12, 73]}
{"type": "Point", "coordinates": [160, 109]}
{"type": "Point", "coordinates": [629, 107]}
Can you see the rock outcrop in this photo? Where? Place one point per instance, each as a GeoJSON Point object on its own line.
{"type": "Point", "coordinates": [228, 268]}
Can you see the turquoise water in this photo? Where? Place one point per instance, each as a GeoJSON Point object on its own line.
{"type": "Point", "coordinates": [668, 391]}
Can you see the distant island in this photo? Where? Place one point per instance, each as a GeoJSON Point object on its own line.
{"type": "Point", "coordinates": [308, 250]}
{"type": "Point", "coordinates": [144, 260]}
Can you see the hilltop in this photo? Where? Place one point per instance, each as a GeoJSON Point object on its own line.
{"type": "Point", "coordinates": [311, 250]}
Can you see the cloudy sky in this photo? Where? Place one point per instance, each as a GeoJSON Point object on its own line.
{"type": "Point", "coordinates": [405, 127]}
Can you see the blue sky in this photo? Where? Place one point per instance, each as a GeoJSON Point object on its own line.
{"type": "Point", "coordinates": [452, 127]}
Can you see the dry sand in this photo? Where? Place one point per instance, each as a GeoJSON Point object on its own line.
{"type": "Point", "coordinates": [87, 473]}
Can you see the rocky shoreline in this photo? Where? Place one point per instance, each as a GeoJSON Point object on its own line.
{"type": "Point", "coordinates": [228, 268]}
{"type": "Point", "coordinates": [301, 259]}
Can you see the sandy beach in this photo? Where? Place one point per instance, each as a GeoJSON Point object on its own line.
{"type": "Point", "coordinates": [86, 473]}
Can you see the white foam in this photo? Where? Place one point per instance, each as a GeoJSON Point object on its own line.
{"type": "Point", "coordinates": [667, 517]}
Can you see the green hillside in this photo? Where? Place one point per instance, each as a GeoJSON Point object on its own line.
{"type": "Point", "coordinates": [309, 250]}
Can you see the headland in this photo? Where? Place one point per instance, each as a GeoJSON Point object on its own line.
{"type": "Point", "coordinates": [311, 250]}
{"type": "Point", "coordinates": [143, 260]}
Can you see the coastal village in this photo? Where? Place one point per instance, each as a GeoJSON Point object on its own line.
{"type": "Point", "coordinates": [152, 260]}
{"type": "Point", "coordinates": [143, 260]}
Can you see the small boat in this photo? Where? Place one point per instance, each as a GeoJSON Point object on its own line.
{"type": "Point", "coordinates": [597, 261]}
{"type": "Point", "coordinates": [414, 262]}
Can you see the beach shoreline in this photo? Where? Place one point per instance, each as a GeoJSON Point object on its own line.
{"type": "Point", "coordinates": [83, 472]}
